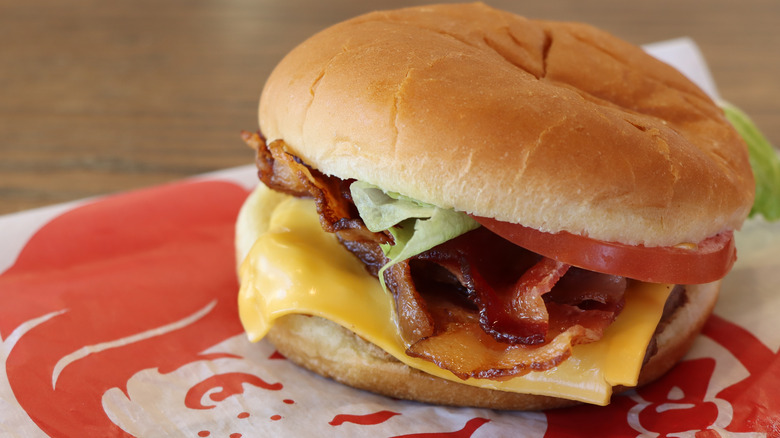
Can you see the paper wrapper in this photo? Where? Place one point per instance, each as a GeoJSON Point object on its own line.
{"type": "Point", "coordinates": [118, 317]}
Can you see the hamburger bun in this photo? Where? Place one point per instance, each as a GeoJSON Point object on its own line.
{"type": "Point", "coordinates": [554, 126]}
{"type": "Point", "coordinates": [557, 126]}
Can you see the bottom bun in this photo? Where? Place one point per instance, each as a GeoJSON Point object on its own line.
{"type": "Point", "coordinates": [335, 352]}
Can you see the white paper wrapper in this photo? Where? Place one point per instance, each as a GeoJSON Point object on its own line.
{"type": "Point", "coordinates": [118, 318]}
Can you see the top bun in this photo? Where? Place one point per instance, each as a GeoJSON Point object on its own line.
{"type": "Point", "coordinates": [556, 126]}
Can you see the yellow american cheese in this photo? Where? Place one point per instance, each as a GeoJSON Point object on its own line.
{"type": "Point", "coordinates": [296, 267]}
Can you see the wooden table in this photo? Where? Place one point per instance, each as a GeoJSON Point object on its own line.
{"type": "Point", "coordinates": [102, 96]}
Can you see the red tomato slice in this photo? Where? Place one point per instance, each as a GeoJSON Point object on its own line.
{"type": "Point", "coordinates": [707, 261]}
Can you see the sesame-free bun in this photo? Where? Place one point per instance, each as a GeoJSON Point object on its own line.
{"type": "Point", "coordinates": [335, 352]}
{"type": "Point", "coordinates": [556, 126]}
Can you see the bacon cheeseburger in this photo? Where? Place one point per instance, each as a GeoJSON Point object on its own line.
{"type": "Point", "coordinates": [463, 206]}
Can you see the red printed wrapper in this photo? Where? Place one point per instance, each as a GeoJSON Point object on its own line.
{"type": "Point", "coordinates": [118, 317]}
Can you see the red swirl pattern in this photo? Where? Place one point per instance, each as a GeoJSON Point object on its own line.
{"type": "Point", "coordinates": [99, 293]}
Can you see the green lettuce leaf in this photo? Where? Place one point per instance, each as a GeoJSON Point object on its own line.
{"type": "Point", "coordinates": [415, 226]}
{"type": "Point", "coordinates": [764, 160]}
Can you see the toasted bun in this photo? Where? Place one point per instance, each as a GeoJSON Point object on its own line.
{"type": "Point", "coordinates": [333, 351]}
{"type": "Point", "coordinates": [557, 126]}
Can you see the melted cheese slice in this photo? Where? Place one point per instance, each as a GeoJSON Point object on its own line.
{"type": "Point", "coordinates": [296, 267]}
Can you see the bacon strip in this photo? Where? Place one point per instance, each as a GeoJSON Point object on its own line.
{"type": "Point", "coordinates": [506, 283]}
{"type": "Point", "coordinates": [477, 305]}
{"type": "Point", "coordinates": [414, 320]}
{"type": "Point", "coordinates": [469, 352]}
{"type": "Point", "coordinates": [284, 172]}
{"type": "Point", "coordinates": [521, 320]}
{"type": "Point", "coordinates": [520, 316]}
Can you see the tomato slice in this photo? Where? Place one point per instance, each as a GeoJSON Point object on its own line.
{"type": "Point", "coordinates": [709, 260]}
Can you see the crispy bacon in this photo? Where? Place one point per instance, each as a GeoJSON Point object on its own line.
{"type": "Point", "coordinates": [275, 168]}
{"type": "Point", "coordinates": [589, 299]}
{"type": "Point", "coordinates": [521, 317]}
{"type": "Point", "coordinates": [465, 350]}
{"type": "Point", "coordinates": [286, 173]}
{"type": "Point", "coordinates": [505, 281]}
{"type": "Point", "coordinates": [476, 305]}
{"type": "Point", "coordinates": [414, 320]}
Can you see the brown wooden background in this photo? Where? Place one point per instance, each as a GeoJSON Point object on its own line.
{"type": "Point", "coordinates": [98, 96]}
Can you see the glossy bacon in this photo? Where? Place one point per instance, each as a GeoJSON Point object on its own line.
{"type": "Point", "coordinates": [284, 172]}
{"type": "Point", "coordinates": [469, 352]}
{"type": "Point", "coordinates": [414, 320]}
{"type": "Point", "coordinates": [477, 305]}
{"type": "Point", "coordinates": [525, 314]}
{"type": "Point", "coordinates": [275, 168]}
{"type": "Point", "coordinates": [518, 314]}
{"type": "Point", "coordinates": [505, 281]}
{"type": "Point", "coordinates": [589, 299]}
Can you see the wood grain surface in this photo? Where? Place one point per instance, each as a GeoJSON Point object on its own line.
{"type": "Point", "coordinates": [103, 96]}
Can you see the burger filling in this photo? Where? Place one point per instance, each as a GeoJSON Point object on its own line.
{"type": "Point", "coordinates": [474, 304]}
